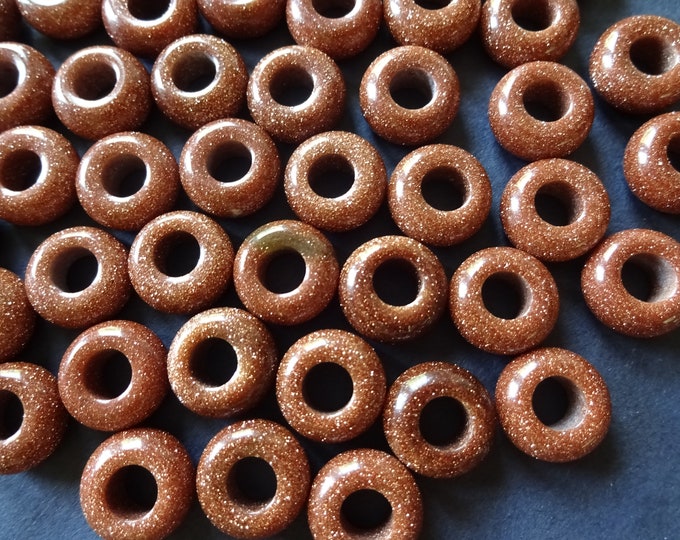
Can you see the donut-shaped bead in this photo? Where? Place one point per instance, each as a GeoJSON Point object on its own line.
{"type": "Point", "coordinates": [442, 27]}
{"type": "Point", "coordinates": [230, 168]}
{"type": "Point", "coordinates": [425, 384]}
{"type": "Point", "coordinates": [409, 95]}
{"type": "Point", "coordinates": [78, 277]}
{"type": "Point", "coordinates": [197, 79]}
{"type": "Point", "coordinates": [295, 92]}
{"type": "Point", "coordinates": [25, 86]}
{"type": "Point", "coordinates": [585, 422]}
{"type": "Point", "coordinates": [541, 110]}
{"type": "Point", "coordinates": [271, 241]}
{"type": "Point", "coordinates": [193, 361]}
{"type": "Point", "coordinates": [101, 90]}
{"type": "Point", "coordinates": [32, 436]}
{"type": "Point", "coordinates": [352, 354]}
{"type": "Point", "coordinates": [359, 471]}
{"type": "Point", "coordinates": [515, 32]}
{"type": "Point", "coordinates": [658, 257]}
{"type": "Point", "coordinates": [340, 29]}
{"type": "Point", "coordinates": [217, 482]}
{"type": "Point", "coordinates": [62, 19]}
{"type": "Point", "coordinates": [145, 28]}
{"type": "Point", "coordinates": [37, 172]}
{"type": "Point", "coordinates": [651, 174]}
{"type": "Point", "coordinates": [9, 14]}
{"type": "Point", "coordinates": [451, 221]}
{"type": "Point", "coordinates": [115, 470]}
{"type": "Point", "coordinates": [17, 318]}
{"type": "Point", "coordinates": [126, 180]}
{"type": "Point", "coordinates": [517, 272]}
{"type": "Point", "coordinates": [181, 262]}
{"type": "Point", "coordinates": [99, 397]}
{"type": "Point", "coordinates": [243, 19]}
{"type": "Point", "coordinates": [314, 163]}
{"type": "Point", "coordinates": [635, 65]}
{"type": "Point", "coordinates": [379, 319]}
{"type": "Point", "coordinates": [580, 193]}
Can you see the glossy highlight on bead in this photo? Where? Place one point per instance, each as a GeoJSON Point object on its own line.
{"type": "Point", "coordinates": [62, 19]}
{"type": "Point", "coordinates": [17, 318]}
{"type": "Point", "coordinates": [245, 19]}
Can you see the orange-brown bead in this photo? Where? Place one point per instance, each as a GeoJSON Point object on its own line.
{"type": "Point", "coordinates": [10, 15]}
{"type": "Point", "coordinates": [62, 19]}
{"type": "Point", "coordinates": [244, 19]}
{"type": "Point", "coordinates": [17, 318]}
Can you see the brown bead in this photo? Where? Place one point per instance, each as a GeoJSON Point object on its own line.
{"type": "Point", "coordinates": [243, 19]}
{"type": "Point", "coordinates": [344, 154]}
{"type": "Point", "coordinates": [145, 28]}
{"type": "Point", "coordinates": [85, 369]}
{"type": "Point", "coordinates": [433, 164]}
{"type": "Point", "coordinates": [17, 318]}
{"type": "Point", "coordinates": [181, 290]}
{"type": "Point", "coordinates": [341, 30]}
{"type": "Point", "coordinates": [652, 252]}
{"type": "Point", "coordinates": [127, 179]}
{"type": "Point", "coordinates": [374, 317]}
{"type": "Point", "coordinates": [62, 19]}
{"type": "Point", "coordinates": [114, 469]}
{"type": "Point", "coordinates": [197, 79]}
{"type": "Point", "coordinates": [360, 470]}
{"type": "Point", "coordinates": [25, 86]}
{"type": "Point", "coordinates": [296, 70]}
{"type": "Point", "coordinates": [43, 420]}
{"type": "Point", "coordinates": [651, 174]}
{"type": "Point", "coordinates": [9, 14]}
{"type": "Point", "coordinates": [585, 422]}
{"type": "Point", "coordinates": [76, 305]}
{"type": "Point", "coordinates": [360, 362]}
{"type": "Point", "coordinates": [408, 397]}
{"type": "Point", "coordinates": [192, 354]}
{"type": "Point", "coordinates": [518, 31]}
{"type": "Point", "coordinates": [555, 131]}
{"type": "Point", "coordinates": [635, 65]}
{"type": "Point", "coordinates": [514, 269]}
{"type": "Point", "coordinates": [217, 483]}
{"type": "Point", "coordinates": [318, 285]}
{"type": "Point", "coordinates": [580, 192]}
{"type": "Point", "coordinates": [101, 90]}
{"type": "Point", "coordinates": [37, 172]}
{"type": "Point", "coordinates": [211, 160]}
{"type": "Point", "coordinates": [442, 28]}
{"type": "Point", "coordinates": [432, 100]}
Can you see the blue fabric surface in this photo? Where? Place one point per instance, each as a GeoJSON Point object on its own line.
{"type": "Point", "coordinates": [627, 488]}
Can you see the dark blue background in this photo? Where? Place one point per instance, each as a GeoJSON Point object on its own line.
{"type": "Point", "coordinates": [627, 488]}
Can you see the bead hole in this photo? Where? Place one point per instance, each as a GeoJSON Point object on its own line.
{"type": "Point", "coordinates": [131, 492]}
{"type": "Point", "coordinates": [653, 55]}
{"type": "Point", "coordinates": [252, 482]}
{"type": "Point", "coordinates": [673, 152]}
{"type": "Point", "coordinates": [558, 204]}
{"type": "Point", "coordinates": [533, 15]}
{"type": "Point", "coordinates": [177, 254]}
{"type": "Point", "coordinates": [331, 176]}
{"type": "Point", "coordinates": [95, 80]}
{"type": "Point", "coordinates": [9, 78]}
{"type": "Point", "coordinates": [148, 10]}
{"type": "Point", "coordinates": [292, 86]}
{"type": "Point", "coordinates": [214, 362]}
{"type": "Point", "coordinates": [230, 162]}
{"type": "Point", "coordinates": [327, 387]}
{"type": "Point", "coordinates": [443, 421]}
{"type": "Point", "coordinates": [11, 414]}
{"type": "Point", "coordinates": [74, 270]}
{"type": "Point", "coordinates": [558, 403]}
{"type": "Point", "coordinates": [333, 9]}
{"type": "Point", "coordinates": [444, 188]}
{"type": "Point", "coordinates": [194, 72]}
{"type": "Point", "coordinates": [124, 176]}
{"type": "Point", "coordinates": [649, 278]}
{"type": "Point", "coordinates": [284, 272]}
{"type": "Point", "coordinates": [396, 282]}
{"type": "Point", "coordinates": [109, 375]}
{"type": "Point", "coordinates": [546, 101]}
{"type": "Point", "coordinates": [505, 295]}
{"type": "Point", "coordinates": [21, 170]}
{"type": "Point", "coordinates": [433, 4]}
{"type": "Point", "coordinates": [412, 89]}
{"type": "Point", "coordinates": [366, 512]}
